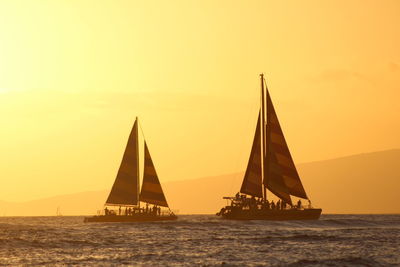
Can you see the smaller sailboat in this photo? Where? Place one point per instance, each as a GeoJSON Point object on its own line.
{"type": "Point", "coordinates": [58, 212]}
{"type": "Point", "coordinates": [123, 202]}
{"type": "Point", "coordinates": [270, 167]}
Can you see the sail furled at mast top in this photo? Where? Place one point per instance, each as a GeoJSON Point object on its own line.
{"type": "Point", "coordinates": [151, 188]}
{"type": "Point", "coordinates": [252, 181]}
{"type": "Point", "coordinates": [125, 190]}
{"type": "Point", "coordinates": [281, 176]}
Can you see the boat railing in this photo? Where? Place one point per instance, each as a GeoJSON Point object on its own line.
{"type": "Point", "coordinates": [123, 212]}
{"type": "Point", "coordinates": [247, 204]}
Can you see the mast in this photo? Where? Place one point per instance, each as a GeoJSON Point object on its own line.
{"type": "Point", "coordinates": [262, 125]}
{"type": "Point", "coordinates": [137, 163]}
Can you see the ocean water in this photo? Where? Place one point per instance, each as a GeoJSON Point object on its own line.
{"type": "Point", "coordinates": [202, 240]}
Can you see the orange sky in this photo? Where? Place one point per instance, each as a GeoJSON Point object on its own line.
{"type": "Point", "coordinates": [74, 74]}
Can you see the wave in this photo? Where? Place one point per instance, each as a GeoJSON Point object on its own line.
{"type": "Point", "coordinates": [340, 261]}
{"type": "Point", "coordinates": [347, 221]}
{"type": "Point", "coordinates": [335, 240]}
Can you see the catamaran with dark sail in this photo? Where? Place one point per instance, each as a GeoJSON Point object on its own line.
{"type": "Point", "coordinates": [270, 168]}
{"type": "Point", "coordinates": [123, 202]}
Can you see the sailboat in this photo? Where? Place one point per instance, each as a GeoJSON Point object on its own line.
{"type": "Point", "coordinates": [270, 168]}
{"type": "Point", "coordinates": [123, 202]}
{"type": "Point", "coordinates": [58, 212]}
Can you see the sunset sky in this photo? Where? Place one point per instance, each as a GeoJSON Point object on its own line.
{"type": "Point", "coordinates": [75, 74]}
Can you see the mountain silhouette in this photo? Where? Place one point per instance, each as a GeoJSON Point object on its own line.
{"type": "Point", "coordinates": [363, 183]}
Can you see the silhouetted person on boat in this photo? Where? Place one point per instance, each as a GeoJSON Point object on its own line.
{"type": "Point", "coordinates": [253, 202]}
{"type": "Point", "coordinates": [278, 205]}
{"type": "Point", "coordinates": [106, 211]}
{"type": "Point", "coordinates": [266, 204]}
{"type": "Point", "coordinates": [272, 205]}
{"type": "Point", "coordinates": [236, 202]}
{"type": "Point", "coordinates": [147, 207]}
{"type": "Point", "coordinates": [222, 211]}
{"type": "Point", "coordinates": [299, 204]}
{"type": "Point", "coordinates": [283, 205]}
{"type": "Point", "coordinates": [119, 210]}
{"type": "Point", "coordinates": [239, 204]}
{"type": "Point", "coordinates": [259, 202]}
{"type": "Point", "coordinates": [154, 209]}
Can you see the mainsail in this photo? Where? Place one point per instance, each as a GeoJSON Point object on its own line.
{"type": "Point", "coordinates": [280, 175]}
{"type": "Point", "coordinates": [151, 188]}
{"type": "Point", "coordinates": [252, 182]}
{"type": "Point", "coordinates": [125, 190]}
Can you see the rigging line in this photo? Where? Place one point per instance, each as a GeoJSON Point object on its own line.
{"type": "Point", "coordinates": [265, 83]}
{"type": "Point", "coordinates": [144, 138]}
{"type": "Point", "coordinates": [141, 129]}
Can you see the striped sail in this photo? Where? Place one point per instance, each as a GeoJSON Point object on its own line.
{"type": "Point", "coordinates": [126, 186]}
{"type": "Point", "coordinates": [151, 189]}
{"type": "Point", "coordinates": [281, 176]}
{"type": "Point", "coordinates": [252, 182]}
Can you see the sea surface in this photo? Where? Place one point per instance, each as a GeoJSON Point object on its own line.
{"type": "Point", "coordinates": [202, 240]}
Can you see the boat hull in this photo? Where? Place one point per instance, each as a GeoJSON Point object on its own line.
{"type": "Point", "coordinates": [130, 218]}
{"type": "Point", "coordinates": [273, 215]}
